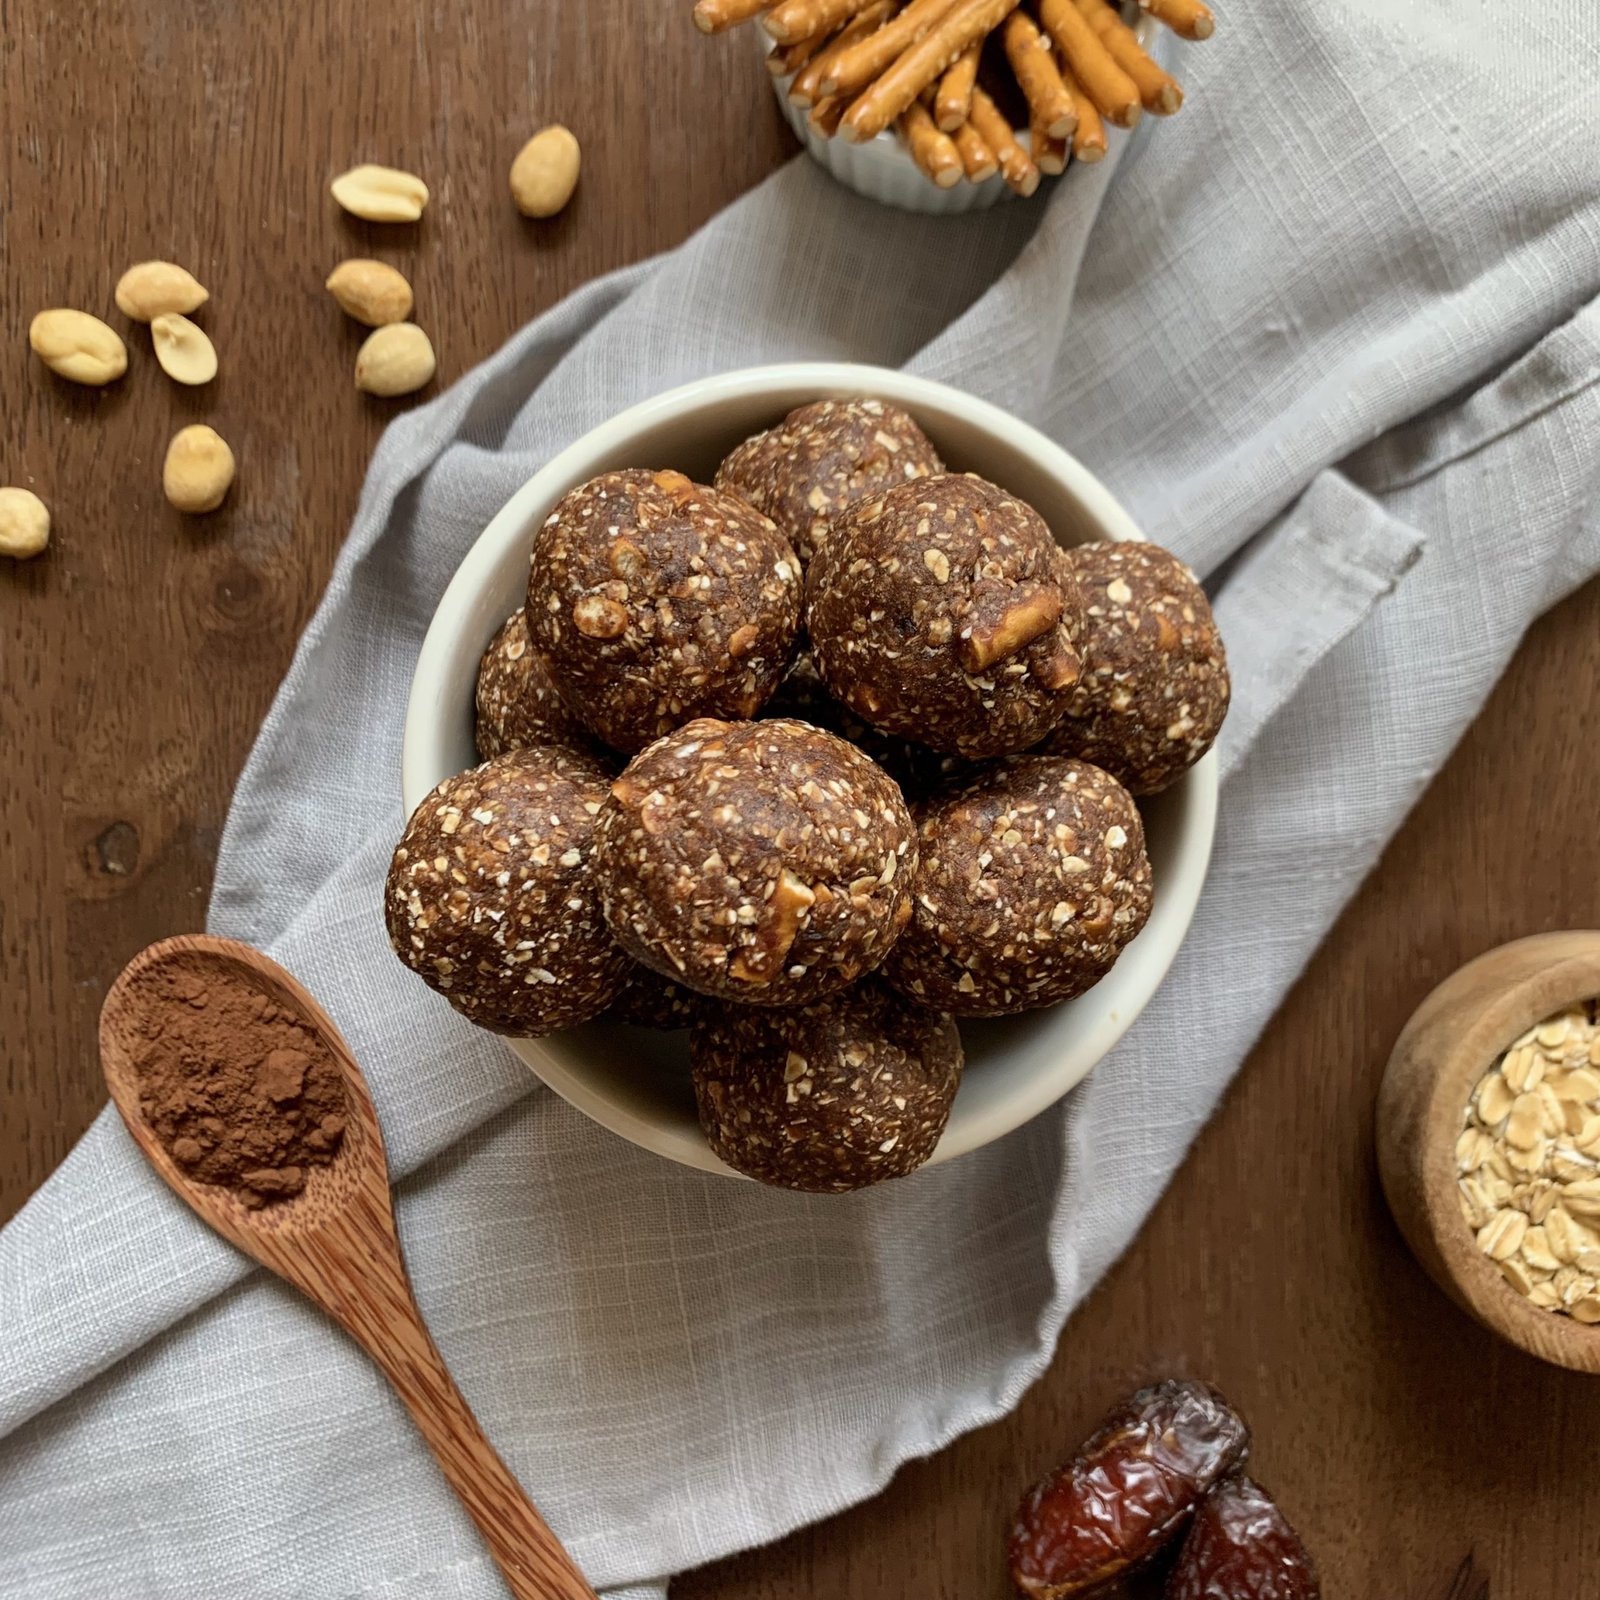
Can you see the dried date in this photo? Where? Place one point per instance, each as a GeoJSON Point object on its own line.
{"type": "Point", "coordinates": [1241, 1547]}
{"type": "Point", "coordinates": [1130, 1488]}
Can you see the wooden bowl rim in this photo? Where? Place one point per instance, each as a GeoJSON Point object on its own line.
{"type": "Point", "coordinates": [1570, 978]}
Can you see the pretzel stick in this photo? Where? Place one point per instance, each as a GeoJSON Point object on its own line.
{"type": "Point", "coordinates": [1015, 165]}
{"type": "Point", "coordinates": [1189, 19]}
{"type": "Point", "coordinates": [810, 84]}
{"type": "Point", "coordinates": [1089, 142]}
{"type": "Point", "coordinates": [859, 65]}
{"type": "Point", "coordinates": [881, 102]}
{"type": "Point", "coordinates": [784, 60]}
{"type": "Point", "coordinates": [976, 156]}
{"type": "Point", "coordinates": [1113, 92]}
{"type": "Point", "coordinates": [932, 150]}
{"type": "Point", "coordinates": [1048, 152]}
{"type": "Point", "coordinates": [1049, 105]}
{"type": "Point", "coordinates": [799, 19]}
{"type": "Point", "coordinates": [824, 116]}
{"type": "Point", "coordinates": [712, 16]}
{"type": "Point", "coordinates": [954, 99]}
{"type": "Point", "coordinates": [1159, 91]}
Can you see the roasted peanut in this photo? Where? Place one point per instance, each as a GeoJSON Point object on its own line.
{"type": "Point", "coordinates": [372, 292]}
{"type": "Point", "coordinates": [24, 524]}
{"type": "Point", "coordinates": [545, 172]}
{"type": "Point", "coordinates": [152, 288]}
{"type": "Point", "coordinates": [77, 346]}
{"type": "Point", "coordinates": [185, 352]}
{"type": "Point", "coordinates": [395, 360]}
{"type": "Point", "coordinates": [380, 194]}
{"type": "Point", "coordinates": [199, 469]}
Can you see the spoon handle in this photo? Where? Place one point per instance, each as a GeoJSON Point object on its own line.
{"type": "Point", "coordinates": [371, 1297]}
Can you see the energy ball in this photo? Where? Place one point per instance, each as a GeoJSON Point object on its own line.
{"type": "Point", "coordinates": [828, 1097]}
{"type": "Point", "coordinates": [822, 458]}
{"type": "Point", "coordinates": [647, 1000]}
{"type": "Point", "coordinates": [1155, 687]}
{"type": "Point", "coordinates": [1033, 878]}
{"type": "Point", "coordinates": [940, 610]}
{"type": "Point", "coordinates": [517, 703]}
{"type": "Point", "coordinates": [654, 600]}
{"type": "Point", "coordinates": [490, 897]}
{"type": "Point", "coordinates": [767, 863]}
{"type": "Point", "coordinates": [804, 696]}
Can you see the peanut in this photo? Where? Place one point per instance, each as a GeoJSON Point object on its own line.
{"type": "Point", "coordinates": [545, 172]}
{"type": "Point", "coordinates": [24, 524]}
{"type": "Point", "coordinates": [395, 360]}
{"type": "Point", "coordinates": [77, 346]}
{"type": "Point", "coordinates": [199, 469]}
{"type": "Point", "coordinates": [381, 194]}
{"type": "Point", "coordinates": [185, 353]}
{"type": "Point", "coordinates": [370, 291]}
{"type": "Point", "coordinates": [152, 288]}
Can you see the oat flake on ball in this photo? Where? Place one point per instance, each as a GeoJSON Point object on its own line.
{"type": "Point", "coordinates": [767, 863]}
{"type": "Point", "coordinates": [517, 704]}
{"type": "Point", "coordinates": [822, 458]}
{"type": "Point", "coordinates": [654, 600]}
{"type": "Point", "coordinates": [827, 1097]}
{"type": "Point", "coordinates": [1155, 687]}
{"type": "Point", "coordinates": [490, 897]}
{"type": "Point", "coordinates": [1032, 878]}
{"type": "Point", "coordinates": [941, 610]}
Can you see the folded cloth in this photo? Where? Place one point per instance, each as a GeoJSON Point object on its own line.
{"type": "Point", "coordinates": [1336, 341]}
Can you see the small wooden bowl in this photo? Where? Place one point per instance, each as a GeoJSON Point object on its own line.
{"type": "Point", "coordinates": [1452, 1039]}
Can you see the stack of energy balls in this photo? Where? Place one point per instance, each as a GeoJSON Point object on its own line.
{"type": "Point", "coordinates": [810, 762]}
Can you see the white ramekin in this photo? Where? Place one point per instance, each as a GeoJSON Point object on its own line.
{"type": "Point", "coordinates": [635, 1082]}
{"type": "Point", "coordinates": [882, 168]}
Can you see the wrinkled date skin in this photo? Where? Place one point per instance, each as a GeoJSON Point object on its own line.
{"type": "Point", "coordinates": [1127, 1491]}
{"type": "Point", "coordinates": [1240, 1547]}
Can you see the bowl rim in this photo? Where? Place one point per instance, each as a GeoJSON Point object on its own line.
{"type": "Point", "coordinates": [510, 528]}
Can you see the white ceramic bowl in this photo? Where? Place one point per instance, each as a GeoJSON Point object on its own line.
{"type": "Point", "coordinates": [633, 1081]}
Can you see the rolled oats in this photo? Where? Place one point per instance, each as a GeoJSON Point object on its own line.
{"type": "Point", "coordinates": [1528, 1164]}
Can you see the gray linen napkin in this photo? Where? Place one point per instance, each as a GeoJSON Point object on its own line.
{"type": "Point", "coordinates": [1334, 339]}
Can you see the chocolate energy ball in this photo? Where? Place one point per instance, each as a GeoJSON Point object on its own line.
{"type": "Point", "coordinates": [822, 458]}
{"type": "Point", "coordinates": [804, 696]}
{"type": "Point", "coordinates": [654, 600]}
{"type": "Point", "coordinates": [647, 1000]}
{"type": "Point", "coordinates": [517, 703]}
{"type": "Point", "coordinates": [940, 611]}
{"type": "Point", "coordinates": [1032, 879]}
{"type": "Point", "coordinates": [1155, 687]}
{"type": "Point", "coordinates": [827, 1097]}
{"type": "Point", "coordinates": [768, 863]}
{"type": "Point", "coordinates": [490, 897]}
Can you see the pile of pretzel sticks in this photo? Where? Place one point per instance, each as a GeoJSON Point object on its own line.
{"type": "Point", "coordinates": [860, 67]}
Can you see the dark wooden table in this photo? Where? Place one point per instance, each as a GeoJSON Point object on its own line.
{"type": "Point", "coordinates": [141, 653]}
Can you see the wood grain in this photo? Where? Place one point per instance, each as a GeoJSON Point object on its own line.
{"type": "Point", "coordinates": [337, 1243]}
{"type": "Point", "coordinates": [142, 652]}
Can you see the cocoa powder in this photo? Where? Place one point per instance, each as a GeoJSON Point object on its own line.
{"type": "Point", "coordinates": [240, 1091]}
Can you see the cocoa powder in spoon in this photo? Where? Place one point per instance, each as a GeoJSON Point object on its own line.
{"type": "Point", "coordinates": [233, 1083]}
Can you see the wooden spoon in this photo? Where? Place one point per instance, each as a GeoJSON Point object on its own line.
{"type": "Point", "coordinates": [336, 1242]}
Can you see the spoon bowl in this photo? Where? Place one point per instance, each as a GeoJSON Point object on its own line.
{"type": "Point", "coordinates": [336, 1242]}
